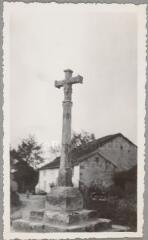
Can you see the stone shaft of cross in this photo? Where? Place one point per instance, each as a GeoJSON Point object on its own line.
{"type": "Point", "coordinates": [65, 171]}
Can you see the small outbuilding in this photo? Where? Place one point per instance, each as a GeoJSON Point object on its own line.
{"type": "Point", "coordinates": [94, 164]}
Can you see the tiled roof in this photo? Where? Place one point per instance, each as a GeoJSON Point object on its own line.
{"type": "Point", "coordinates": [92, 146]}
{"type": "Point", "coordinates": [84, 149]}
{"type": "Point", "coordinates": [52, 165]}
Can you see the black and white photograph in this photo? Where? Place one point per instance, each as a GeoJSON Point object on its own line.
{"type": "Point", "coordinates": [74, 108]}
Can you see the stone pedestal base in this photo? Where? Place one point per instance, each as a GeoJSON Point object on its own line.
{"type": "Point", "coordinates": [88, 226]}
{"type": "Point", "coordinates": [64, 198]}
{"type": "Point", "coordinates": [63, 212]}
{"type": "Point", "coordinates": [65, 176]}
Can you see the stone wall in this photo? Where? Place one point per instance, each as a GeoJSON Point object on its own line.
{"type": "Point", "coordinates": [96, 171]}
{"type": "Point", "coordinates": [121, 152]}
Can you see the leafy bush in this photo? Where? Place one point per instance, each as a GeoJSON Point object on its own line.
{"type": "Point", "coordinates": [114, 204]}
{"type": "Point", "coordinates": [126, 212]}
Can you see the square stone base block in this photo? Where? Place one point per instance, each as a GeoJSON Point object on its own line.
{"type": "Point", "coordinates": [64, 198]}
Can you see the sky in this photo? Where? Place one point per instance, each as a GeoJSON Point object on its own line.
{"type": "Point", "coordinates": [100, 45]}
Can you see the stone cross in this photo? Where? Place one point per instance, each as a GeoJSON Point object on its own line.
{"type": "Point", "coordinates": [65, 171]}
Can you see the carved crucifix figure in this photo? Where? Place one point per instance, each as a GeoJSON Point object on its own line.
{"type": "Point", "coordinates": [65, 172]}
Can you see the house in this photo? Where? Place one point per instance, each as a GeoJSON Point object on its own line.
{"type": "Point", "coordinates": [94, 163]}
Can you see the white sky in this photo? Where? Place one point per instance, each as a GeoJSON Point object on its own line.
{"type": "Point", "coordinates": [99, 45]}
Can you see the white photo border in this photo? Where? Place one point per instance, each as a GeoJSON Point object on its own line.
{"type": "Point", "coordinates": [141, 10]}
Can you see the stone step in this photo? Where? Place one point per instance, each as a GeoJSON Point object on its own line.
{"type": "Point", "coordinates": [64, 198]}
{"type": "Point", "coordinates": [88, 226]}
{"type": "Point", "coordinates": [37, 215]}
{"type": "Point", "coordinates": [69, 218]}
{"type": "Point", "coordinates": [57, 217]}
{"type": "Point", "coordinates": [119, 228]}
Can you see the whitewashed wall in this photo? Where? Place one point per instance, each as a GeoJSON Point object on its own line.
{"type": "Point", "coordinates": [48, 176]}
{"type": "Point", "coordinates": [76, 176]}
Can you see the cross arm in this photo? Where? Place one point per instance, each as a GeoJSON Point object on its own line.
{"type": "Point", "coordinates": [59, 84]}
{"type": "Point", "coordinates": [77, 79]}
